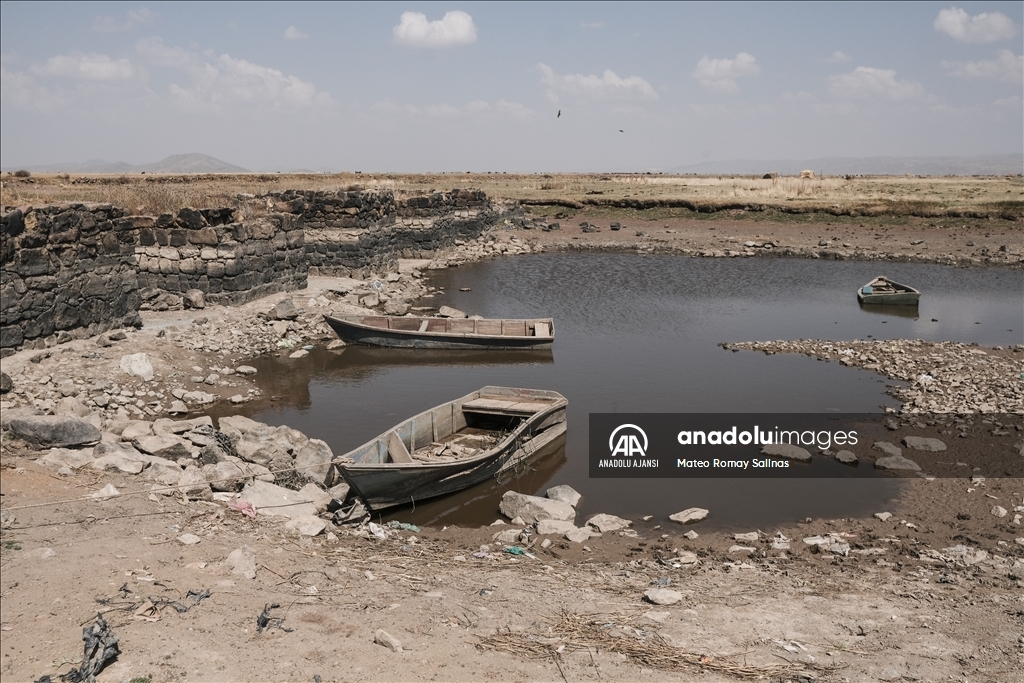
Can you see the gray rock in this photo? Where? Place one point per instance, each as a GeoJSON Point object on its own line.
{"type": "Point", "coordinates": [662, 596]}
{"type": "Point", "coordinates": [284, 310]}
{"type": "Point", "coordinates": [69, 405]}
{"type": "Point", "coordinates": [604, 522]}
{"type": "Point", "coordinates": [554, 526]}
{"type": "Point", "coordinates": [750, 537]}
{"type": "Point", "coordinates": [579, 535]}
{"type": "Point", "coordinates": [320, 498]}
{"type": "Point", "coordinates": [194, 298]}
{"type": "Point", "coordinates": [189, 539]}
{"type": "Point", "coordinates": [396, 307]}
{"type": "Point", "coordinates": [7, 415]}
{"type": "Point", "coordinates": [137, 365]}
{"type": "Point", "coordinates": [245, 370]}
{"type": "Point", "coordinates": [741, 549]}
{"type": "Point", "coordinates": [200, 397]}
{"type": "Point", "coordinates": [534, 508]}
{"type": "Point", "coordinates": [382, 637]}
{"type": "Point", "coordinates": [178, 408]}
{"type": "Point", "coordinates": [449, 312]}
{"type": "Point", "coordinates": [242, 562]}
{"type": "Point", "coordinates": [507, 536]}
{"type": "Point", "coordinates": [6, 383]}
{"type": "Point", "coordinates": [306, 525]}
{"type": "Point", "coordinates": [883, 516]}
{"type": "Point", "coordinates": [224, 476]}
{"type": "Point", "coordinates": [167, 446]}
{"type": "Point", "coordinates": [193, 485]}
{"type": "Point", "coordinates": [919, 443]}
{"type": "Point", "coordinates": [846, 457]}
{"type": "Point", "coordinates": [998, 511]}
{"type": "Point", "coordinates": [66, 457]}
{"type": "Point", "coordinates": [689, 515]}
{"type": "Point", "coordinates": [118, 460]}
{"type": "Point", "coordinates": [135, 429]}
{"type": "Point", "coordinates": [301, 353]}
{"type": "Point", "coordinates": [50, 431]}
{"type": "Point", "coordinates": [692, 535]}
{"type": "Point", "coordinates": [887, 448]}
{"type": "Point", "coordinates": [280, 328]}
{"type": "Point", "coordinates": [896, 462]}
{"type": "Point", "coordinates": [788, 451]}
{"type": "Point", "coordinates": [165, 473]}
{"type": "Point", "coordinates": [564, 493]}
{"type": "Point", "coordinates": [270, 499]}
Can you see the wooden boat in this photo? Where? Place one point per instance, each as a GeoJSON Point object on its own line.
{"type": "Point", "coordinates": [882, 290]}
{"type": "Point", "coordinates": [489, 433]}
{"type": "Point", "coordinates": [443, 333]}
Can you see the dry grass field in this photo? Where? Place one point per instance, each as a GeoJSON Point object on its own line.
{"type": "Point", "coordinates": [767, 198]}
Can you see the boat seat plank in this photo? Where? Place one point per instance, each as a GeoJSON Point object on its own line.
{"type": "Point", "coordinates": [541, 330]}
{"type": "Point", "coordinates": [514, 407]}
{"type": "Point", "coordinates": [423, 326]}
{"type": "Point", "coordinates": [397, 450]}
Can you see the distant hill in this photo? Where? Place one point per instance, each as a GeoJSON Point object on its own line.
{"type": "Point", "coordinates": [937, 166]}
{"type": "Point", "coordinates": [176, 163]}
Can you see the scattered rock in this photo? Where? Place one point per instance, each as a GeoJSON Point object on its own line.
{"type": "Point", "coordinates": [847, 457]}
{"type": "Point", "coordinates": [887, 448]}
{"type": "Point", "coordinates": [271, 499]}
{"type": "Point", "coordinates": [194, 298]}
{"type": "Point", "coordinates": [750, 537]}
{"type": "Point", "coordinates": [284, 310]}
{"type": "Point", "coordinates": [662, 596]}
{"type": "Point", "coordinates": [382, 637]}
{"type": "Point", "coordinates": [301, 353]}
{"type": "Point", "coordinates": [188, 539]}
{"type": "Point", "coordinates": [534, 508]}
{"type": "Point", "coordinates": [507, 536]}
{"type": "Point", "coordinates": [137, 365]}
{"type": "Point", "coordinates": [605, 523]}
{"type": "Point", "coordinates": [337, 344]}
{"type": "Point", "coordinates": [689, 515]}
{"type": "Point", "coordinates": [320, 498]}
{"type": "Point", "coordinates": [106, 492]}
{"type": "Point", "coordinates": [449, 312]}
{"type": "Point", "coordinates": [554, 526]}
{"type": "Point", "coordinates": [193, 484]}
{"type": "Point", "coordinates": [897, 462]}
{"type": "Point", "coordinates": [66, 457]}
{"type": "Point", "coordinates": [922, 444]}
{"type": "Point", "coordinates": [50, 431]}
{"type": "Point", "coordinates": [306, 525]}
{"type": "Point", "coordinates": [6, 383]}
{"type": "Point", "coordinates": [788, 451]}
{"type": "Point", "coordinates": [245, 370]}
{"type": "Point", "coordinates": [166, 446]}
{"type": "Point", "coordinates": [741, 549]}
{"type": "Point", "coordinates": [998, 511]}
{"type": "Point", "coordinates": [883, 516]}
{"type": "Point", "coordinates": [564, 493]}
{"type": "Point", "coordinates": [242, 562]}
{"type": "Point", "coordinates": [579, 535]}
{"type": "Point", "coordinates": [691, 534]}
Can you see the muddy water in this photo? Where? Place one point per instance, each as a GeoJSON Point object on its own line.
{"type": "Point", "coordinates": [641, 334]}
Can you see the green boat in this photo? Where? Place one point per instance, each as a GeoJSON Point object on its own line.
{"type": "Point", "coordinates": [884, 291]}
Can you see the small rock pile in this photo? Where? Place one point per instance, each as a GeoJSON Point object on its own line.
{"type": "Point", "coordinates": [942, 377]}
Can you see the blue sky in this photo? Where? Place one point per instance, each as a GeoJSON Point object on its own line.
{"type": "Point", "coordinates": [463, 86]}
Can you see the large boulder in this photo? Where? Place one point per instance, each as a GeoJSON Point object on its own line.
{"type": "Point", "coordinates": [920, 443]}
{"type": "Point", "coordinates": [270, 499]}
{"type": "Point", "coordinates": [224, 476]}
{"type": "Point", "coordinates": [564, 493]}
{"type": "Point", "coordinates": [313, 460]}
{"type": "Point", "coordinates": [55, 431]}
{"type": "Point", "coordinates": [194, 298]}
{"type": "Point", "coordinates": [119, 456]}
{"type": "Point", "coordinates": [897, 462]}
{"type": "Point", "coordinates": [554, 526]}
{"type": "Point", "coordinates": [284, 310]}
{"type": "Point", "coordinates": [67, 457]}
{"type": "Point", "coordinates": [604, 522]}
{"type": "Point", "coordinates": [166, 446]}
{"type": "Point", "coordinates": [689, 515]}
{"type": "Point", "coordinates": [6, 384]}
{"type": "Point", "coordinates": [532, 509]}
{"type": "Point", "coordinates": [193, 484]}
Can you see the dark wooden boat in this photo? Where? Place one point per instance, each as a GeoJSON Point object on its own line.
{"type": "Point", "coordinates": [489, 433]}
{"type": "Point", "coordinates": [443, 333]}
{"type": "Point", "coordinates": [884, 291]}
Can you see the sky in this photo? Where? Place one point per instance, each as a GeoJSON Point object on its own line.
{"type": "Point", "coordinates": [429, 87]}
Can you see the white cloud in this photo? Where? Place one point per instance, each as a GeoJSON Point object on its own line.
{"type": "Point", "coordinates": [839, 57]}
{"type": "Point", "coordinates": [865, 82]}
{"type": "Point", "coordinates": [222, 81]}
{"type": "Point", "coordinates": [591, 24]}
{"type": "Point", "coordinates": [455, 28]}
{"type": "Point", "coordinates": [87, 67]}
{"type": "Point", "coordinates": [447, 111]}
{"type": "Point", "coordinates": [608, 86]}
{"type": "Point", "coordinates": [292, 33]}
{"type": "Point", "coordinates": [1006, 67]}
{"type": "Point", "coordinates": [133, 18]}
{"type": "Point", "coordinates": [981, 28]}
{"type": "Point", "coordinates": [720, 75]}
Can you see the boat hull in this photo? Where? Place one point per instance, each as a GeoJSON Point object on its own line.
{"type": "Point", "coordinates": [355, 333]}
{"type": "Point", "coordinates": [382, 480]}
{"type": "Point", "coordinates": [893, 294]}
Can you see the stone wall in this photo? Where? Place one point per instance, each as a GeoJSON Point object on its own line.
{"type": "Point", "coordinates": [231, 262]}
{"type": "Point", "coordinates": [350, 230]}
{"type": "Point", "coordinates": [66, 271]}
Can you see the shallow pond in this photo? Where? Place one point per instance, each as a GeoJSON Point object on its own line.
{"type": "Point", "coordinates": [641, 334]}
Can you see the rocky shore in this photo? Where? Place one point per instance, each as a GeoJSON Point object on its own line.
{"type": "Point", "coordinates": [124, 494]}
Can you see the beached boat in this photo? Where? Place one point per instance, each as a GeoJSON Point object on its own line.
{"type": "Point", "coordinates": [882, 290]}
{"type": "Point", "coordinates": [443, 333]}
{"type": "Point", "coordinates": [489, 433]}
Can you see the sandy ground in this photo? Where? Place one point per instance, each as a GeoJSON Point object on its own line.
{"type": "Point", "coordinates": [932, 593]}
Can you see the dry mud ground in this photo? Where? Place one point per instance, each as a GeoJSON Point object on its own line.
{"type": "Point", "coordinates": [905, 609]}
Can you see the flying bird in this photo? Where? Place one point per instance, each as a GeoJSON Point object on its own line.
{"type": "Point", "coordinates": [559, 114]}
{"type": "Point", "coordinates": [621, 131]}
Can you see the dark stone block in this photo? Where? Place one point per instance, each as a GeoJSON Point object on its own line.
{"type": "Point", "coordinates": [164, 220]}
{"type": "Point", "coordinates": [190, 219]}
{"type": "Point", "coordinates": [162, 237]}
{"type": "Point", "coordinates": [206, 236]}
{"type": "Point", "coordinates": [178, 238]}
{"type": "Point", "coordinates": [13, 223]}
{"type": "Point", "coordinates": [33, 262]}
{"type": "Point", "coordinates": [11, 336]}
{"type": "Point", "coordinates": [32, 240]}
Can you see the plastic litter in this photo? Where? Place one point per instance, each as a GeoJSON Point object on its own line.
{"type": "Point", "coordinates": [404, 526]}
{"type": "Point", "coordinates": [377, 531]}
{"type": "Point", "coordinates": [265, 622]}
{"type": "Point", "coordinates": [101, 648]}
{"type": "Point", "coordinates": [514, 550]}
